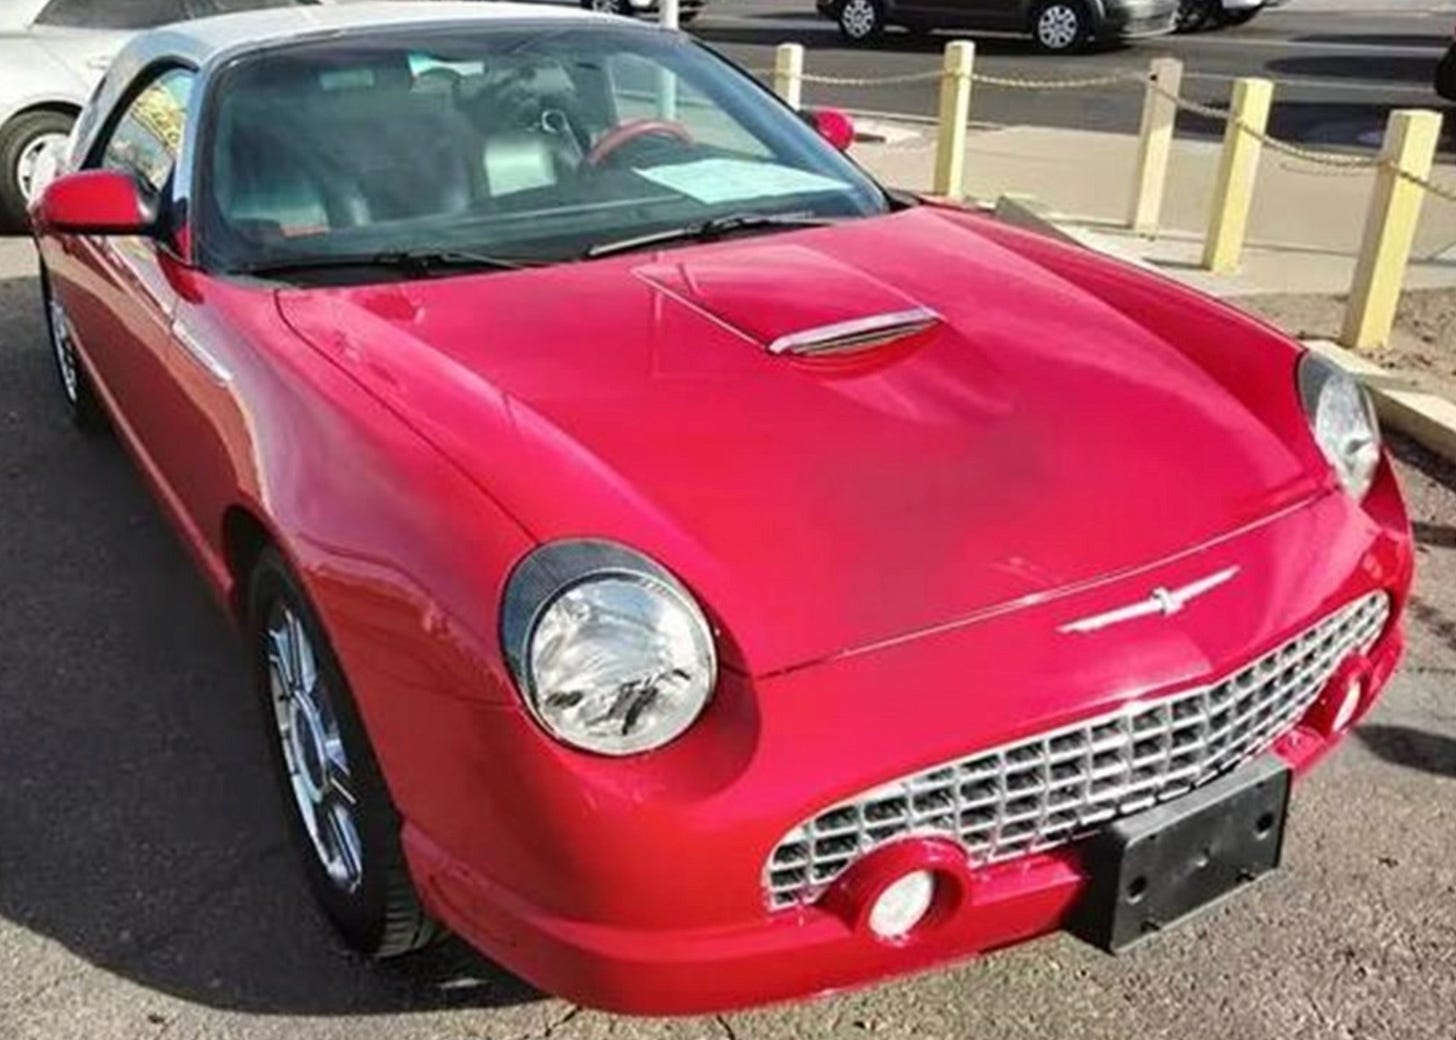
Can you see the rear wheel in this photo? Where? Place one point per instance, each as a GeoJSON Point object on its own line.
{"type": "Point", "coordinates": [861, 21]}
{"type": "Point", "coordinates": [622, 7]}
{"type": "Point", "coordinates": [1197, 15]}
{"type": "Point", "coordinates": [31, 146]}
{"type": "Point", "coordinates": [339, 814]}
{"type": "Point", "coordinates": [1243, 17]}
{"type": "Point", "coordinates": [1061, 26]}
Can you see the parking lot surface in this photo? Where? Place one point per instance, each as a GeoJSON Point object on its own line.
{"type": "Point", "coordinates": [146, 889]}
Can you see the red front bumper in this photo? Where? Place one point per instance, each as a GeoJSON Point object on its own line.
{"type": "Point", "coordinates": [638, 888]}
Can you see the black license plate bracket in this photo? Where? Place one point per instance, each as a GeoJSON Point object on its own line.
{"type": "Point", "coordinates": [1152, 870]}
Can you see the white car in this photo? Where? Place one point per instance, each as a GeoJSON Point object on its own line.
{"type": "Point", "coordinates": [53, 53]}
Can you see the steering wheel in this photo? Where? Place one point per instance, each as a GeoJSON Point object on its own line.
{"type": "Point", "coordinates": [632, 130]}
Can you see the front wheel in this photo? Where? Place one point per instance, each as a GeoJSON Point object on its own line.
{"type": "Point", "coordinates": [78, 397]}
{"type": "Point", "coordinates": [339, 813]}
{"type": "Point", "coordinates": [861, 21]}
{"type": "Point", "coordinates": [31, 146]}
{"type": "Point", "coordinates": [1061, 26]}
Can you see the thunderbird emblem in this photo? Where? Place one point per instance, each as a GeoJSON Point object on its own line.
{"type": "Point", "coordinates": [1165, 602]}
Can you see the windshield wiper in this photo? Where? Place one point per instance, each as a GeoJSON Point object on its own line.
{"type": "Point", "coordinates": [418, 261]}
{"type": "Point", "coordinates": [707, 230]}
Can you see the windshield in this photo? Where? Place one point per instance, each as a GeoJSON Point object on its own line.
{"type": "Point", "coordinates": [525, 143]}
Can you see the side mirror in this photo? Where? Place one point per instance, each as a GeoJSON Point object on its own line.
{"type": "Point", "coordinates": [834, 125]}
{"type": "Point", "coordinates": [93, 202]}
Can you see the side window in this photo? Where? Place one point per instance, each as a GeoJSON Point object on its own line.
{"type": "Point", "coordinates": [146, 139]}
{"type": "Point", "coordinates": [111, 14]}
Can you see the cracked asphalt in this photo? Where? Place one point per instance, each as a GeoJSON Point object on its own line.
{"type": "Point", "coordinates": [146, 890]}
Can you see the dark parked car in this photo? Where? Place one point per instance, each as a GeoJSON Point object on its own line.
{"type": "Point", "coordinates": [1058, 26]}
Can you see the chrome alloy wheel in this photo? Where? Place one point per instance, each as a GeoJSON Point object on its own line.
{"type": "Point", "coordinates": [1058, 27]}
{"type": "Point", "coordinates": [313, 750]}
{"type": "Point", "coordinates": [38, 162]}
{"type": "Point", "coordinates": [858, 18]}
{"type": "Point", "coordinates": [65, 349]}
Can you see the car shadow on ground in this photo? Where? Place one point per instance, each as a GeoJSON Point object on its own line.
{"type": "Point", "coordinates": [138, 825]}
{"type": "Point", "coordinates": [1412, 748]}
{"type": "Point", "coordinates": [1393, 67]}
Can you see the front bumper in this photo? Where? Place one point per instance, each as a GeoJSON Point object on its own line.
{"type": "Point", "coordinates": [638, 887]}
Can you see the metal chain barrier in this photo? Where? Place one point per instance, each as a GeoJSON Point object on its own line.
{"type": "Point", "coordinates": [1346, 163]}
{"type": "Point", "coordinates": [1026, 83]}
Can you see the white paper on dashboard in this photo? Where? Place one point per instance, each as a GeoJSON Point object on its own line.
{"type": "Point", "coordinates": [711, 181]}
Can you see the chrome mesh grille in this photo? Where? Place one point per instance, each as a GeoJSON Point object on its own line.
{"type": "Point", "coordinates": [1054, 787]}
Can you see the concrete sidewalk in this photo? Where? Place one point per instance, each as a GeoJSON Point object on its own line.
{"type": "Point", "coordinates": [1305, 226]}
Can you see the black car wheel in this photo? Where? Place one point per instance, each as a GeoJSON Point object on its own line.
{"type": "Point", "coordinates": [77, 395]}
{"type": "Point", "coordinates": [338, 810]}
{"type": "Point", "coordinates": [1197, 15]}
{"type": "Point", "coordinates": [861, 21]}
{"type": "Point", "coordinates": [27, 144]}
{"type": "Point", "coordinates": [1061, 26]}
{"type": "Point", "coordinates": [622, 7]}
{"type": "Point", "coordinates": [1243, 17]}
{"type": "Point", "coordinates": [1446, 76]}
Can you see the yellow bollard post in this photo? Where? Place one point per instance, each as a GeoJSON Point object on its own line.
{"type": "Point", "coordinates": [1234, 194]}
{"type": "Point", "coordinates": [955, 117]}
{"type": "Point", "coordinates": [789, 74]}
{"type": "Point", "coordinates": [1155, 145]}
{"type": "Point", "coordinates": [1411, 137]}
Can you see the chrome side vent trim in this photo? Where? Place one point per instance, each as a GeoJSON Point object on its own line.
{"type": "Point", "coordinates": [856, 334]}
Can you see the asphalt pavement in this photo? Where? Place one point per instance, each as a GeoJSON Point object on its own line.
{"type": "Point", "coordinates": [146, 889]}
{"type": "Point", "coordinates": [1339, 71]}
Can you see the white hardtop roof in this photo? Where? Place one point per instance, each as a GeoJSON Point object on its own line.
{"type": "Point", "coordinates": [205, 38]}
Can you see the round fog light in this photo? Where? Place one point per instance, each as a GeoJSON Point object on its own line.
{"type": "Point", "coordinates": [1354, 691]}
{"type": "Point", "coordinates": [902, 905]}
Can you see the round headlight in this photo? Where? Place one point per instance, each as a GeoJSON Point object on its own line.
{"type": "Point", "coordinates": [610, 652]}
{"type": "Point", "coordinates": [1342, 418]}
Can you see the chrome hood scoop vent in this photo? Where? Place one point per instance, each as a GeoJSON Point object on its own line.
{"type": "Point", "coordinates": [855, 334]}
{"type": "Point", "coordinates": [791, 299]}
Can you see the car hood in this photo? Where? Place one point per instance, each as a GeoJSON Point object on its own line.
{"type": "Point", "coordinates": [1061, 420]}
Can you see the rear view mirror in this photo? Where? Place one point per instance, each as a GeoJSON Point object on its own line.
{"type": "Point", "coordinates": [93, 202]}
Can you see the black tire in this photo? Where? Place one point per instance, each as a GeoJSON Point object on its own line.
{"type": "Point", "coordinates": [15, 137]}
{"type": "Point", "coordinates": [860, 21]}
{"type": "Point", "coordinates": [380, 915]}
{"type": "Point", "coordinates": [78, 397]}
{"type": "Point", "coordinates": [1197, 15]}
{"type": "Point", "coordinates": [1061, 26]}
{"type": "Point", "coordinates": [1236, 18]}
{"type": "Point", "coordinates": [621, 7]}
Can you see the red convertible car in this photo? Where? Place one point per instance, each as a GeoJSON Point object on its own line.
{"type": "Point", "coordinates": [686, 570]}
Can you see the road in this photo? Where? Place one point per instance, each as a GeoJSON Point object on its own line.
{"type": "Point", "coordinates": [146, 891]}
{"type": "Point", "coordinates": [1339, 72]}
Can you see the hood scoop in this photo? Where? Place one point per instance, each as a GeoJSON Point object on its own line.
{"type": "Point", "coordinates": [791, 299]}
{"type": "Point", "coordinates": [856, 334]}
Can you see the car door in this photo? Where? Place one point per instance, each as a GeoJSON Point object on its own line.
{"type": "Point", "coordinates": [122, 291]}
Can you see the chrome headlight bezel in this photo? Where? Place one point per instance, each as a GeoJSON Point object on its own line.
{"type": "Point", "coordinates": [552, 572]}
{"type": "Point", "coordinates": [1342, 422]}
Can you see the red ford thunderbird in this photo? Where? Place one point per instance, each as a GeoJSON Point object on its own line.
{"type": "Point", "coordinates": [686, 570]}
